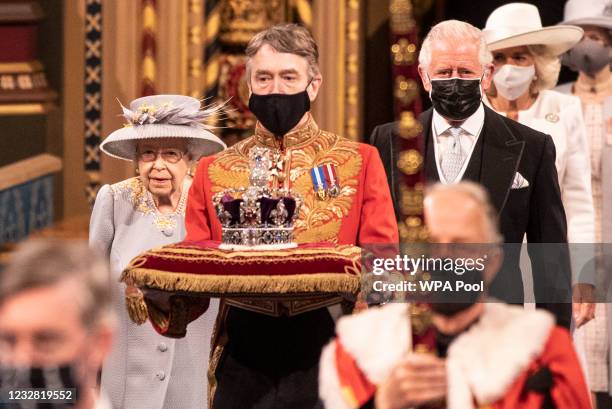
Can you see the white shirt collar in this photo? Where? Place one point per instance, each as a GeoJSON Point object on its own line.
{"type": "Point", "coordinates": [472, 125]}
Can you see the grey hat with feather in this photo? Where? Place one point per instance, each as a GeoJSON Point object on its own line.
{"type": "Point", "coordinates": [164, 116]}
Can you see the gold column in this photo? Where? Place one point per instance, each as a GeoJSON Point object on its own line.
{"type": "Point", "coordinates": [211, 24]}
{"type": "Point", "coordinates": [337, 29]}
{"type": "Point", "coordinates": [74, 177]}
{"type": "Point", "coordinates": [121, 66]}
{"type": "Point", "coordinates": [149, 47]}
{"type": "Point", "coordinates": [354, 36]}
{"type": "Point", "coordinates": [171, 39]}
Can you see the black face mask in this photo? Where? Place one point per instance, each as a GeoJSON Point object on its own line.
{"type": "Point", "coordinates": [279, 113]}
{"type": "Point", "coordinates": [60, 377]}
{"type": "Point", "coordinates": [455, 98]}
{"type": "Point", "coordinates": [453, 302]}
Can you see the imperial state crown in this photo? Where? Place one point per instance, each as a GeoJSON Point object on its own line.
{"type": "Point", "coordinates": [257, 216]}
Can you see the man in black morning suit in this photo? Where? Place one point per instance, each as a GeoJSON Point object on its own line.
{"type": "Point", "coordinates": [515, 163]}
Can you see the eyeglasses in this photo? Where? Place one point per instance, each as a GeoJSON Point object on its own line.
{"type": "Point", "coordinates": [168, 155]}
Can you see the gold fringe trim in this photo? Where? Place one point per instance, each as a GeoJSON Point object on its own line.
{"type": "Point", "coordinates": [242, 285]}
{"type": "Point", "coordinates": [136, 307]}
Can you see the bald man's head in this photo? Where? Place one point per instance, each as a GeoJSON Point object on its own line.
{"type": "Point", "coordinates": [460, 213]}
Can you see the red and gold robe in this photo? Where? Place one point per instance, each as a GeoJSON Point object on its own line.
{"type": "Point", "coordinates": [487, 366]}
{"type": "Point", "coordinates": [362, 213]}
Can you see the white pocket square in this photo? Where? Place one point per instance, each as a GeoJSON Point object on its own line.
{"type": "Point", "coordinates": [519, 181]}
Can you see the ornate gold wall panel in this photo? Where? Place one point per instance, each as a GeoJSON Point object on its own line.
{"type": "Point", "coordinates": [227, 28]}
{"type": "Point", "coordinates": [407, 105]}
{"type": "Point", "coordinates": [183, 29]}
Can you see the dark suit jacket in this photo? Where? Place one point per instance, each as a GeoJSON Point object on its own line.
{"type": "Point", "coordinates": [505, 147]}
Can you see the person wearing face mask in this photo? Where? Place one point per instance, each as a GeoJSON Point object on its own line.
{"type": "Point", "coordinates": [266, 352]}
{"type": "Point", "coordinates": [56, 324]}
{"type": "Point", "coordinates": [485, 354]}
{"type": "Point", "coordinates": [466, 140]}
{"type": "Point", "coordinates": [527, 64]}
{"type": "Point", "coordinates": [591, 58]}
{"type": "Point", "coordinates": [163, 135]}
{"type": "Point", "coordinates": [526, 60]}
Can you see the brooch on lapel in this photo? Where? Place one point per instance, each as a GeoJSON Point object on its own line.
{"type": "Point", "coordinates": [325, 181]}
{"type": "Point", "coordinates": [552, 117]}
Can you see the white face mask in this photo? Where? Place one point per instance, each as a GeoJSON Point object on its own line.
{"type": "Point", "coordinates": [512, 81]}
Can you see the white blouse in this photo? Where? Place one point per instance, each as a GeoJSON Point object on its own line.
{"type": "Point", "coordinates": [560, 116]}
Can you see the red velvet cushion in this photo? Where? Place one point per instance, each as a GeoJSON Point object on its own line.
{"type": "Point", "coordinates": [204, 269]}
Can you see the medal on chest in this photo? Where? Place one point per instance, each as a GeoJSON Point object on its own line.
{"type": "Point", "coordinates": [325, 181]}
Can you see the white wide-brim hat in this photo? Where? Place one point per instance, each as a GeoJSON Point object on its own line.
{"type": "Point", "coordinates": [589, 13]}
{"type": "Point", "coordinates": [164, 116]}
{"type": "Point", "coordinates": [517, 24]}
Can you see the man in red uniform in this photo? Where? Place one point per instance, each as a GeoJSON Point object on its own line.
{"type": "Point", "coordinates": [458, 356]}
{"type": "Point", "coordinates": [269, 354]}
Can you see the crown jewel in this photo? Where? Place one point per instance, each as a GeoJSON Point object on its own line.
{"type": "Point", "coordinates": [257, 215]}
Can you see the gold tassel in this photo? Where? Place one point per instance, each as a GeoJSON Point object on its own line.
{"type": "Point", "coordinates": [136, 306]}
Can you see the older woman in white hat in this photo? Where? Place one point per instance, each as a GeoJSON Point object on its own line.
{"type": "Point", "coordinates": [591, 59]}
{"type": "Point", "coordinates": [163, 135]}
{"type": "Point", "coordinates": [526, 59]}
{"type": "Point", "coordinates": [527, 64]}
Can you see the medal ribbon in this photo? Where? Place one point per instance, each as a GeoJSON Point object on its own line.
{"type": "Point", "coordinates": [330, 175]}
{"type": "Point", "coordinates": [318, 179]}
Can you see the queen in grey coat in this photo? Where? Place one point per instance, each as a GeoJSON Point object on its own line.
{"type": "Point", "coordinates": [164, 134]}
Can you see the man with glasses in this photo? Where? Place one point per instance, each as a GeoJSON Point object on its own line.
{"type": "Point", "coordinates": [266, 355]}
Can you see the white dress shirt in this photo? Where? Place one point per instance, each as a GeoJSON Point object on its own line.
{"type": "Point", "coordinates": [443, 140]}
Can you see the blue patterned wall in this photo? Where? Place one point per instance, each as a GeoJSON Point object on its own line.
{"type": "Point", "coordinates": [25, 208]}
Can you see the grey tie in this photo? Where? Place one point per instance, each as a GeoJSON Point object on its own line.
{"type": "Point", "coordinates": [453, 158]}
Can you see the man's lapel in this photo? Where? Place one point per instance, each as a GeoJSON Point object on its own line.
{"type": "Point", "coordinates": [431, 168]}
{"type": "Point", "coordinates": [425, 119]}
{"type": "Point", "coordinates": [501, 156]}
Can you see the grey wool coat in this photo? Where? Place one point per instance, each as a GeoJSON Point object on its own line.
{"type": "Point", "coordinates": [146, 370]}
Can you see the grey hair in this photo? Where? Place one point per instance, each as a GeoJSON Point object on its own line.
{"type": "Point", "coordinates": [453, 30]}
{"type": "Point", "coordinates": [480, 196]}
{"type": "Point", "coordinates": [39, 263]}
{"type": "Point", "coordinates": [286, 38]}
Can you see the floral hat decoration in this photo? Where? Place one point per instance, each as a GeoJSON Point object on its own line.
{"type": "Point", "coordinates": [165, 116]}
